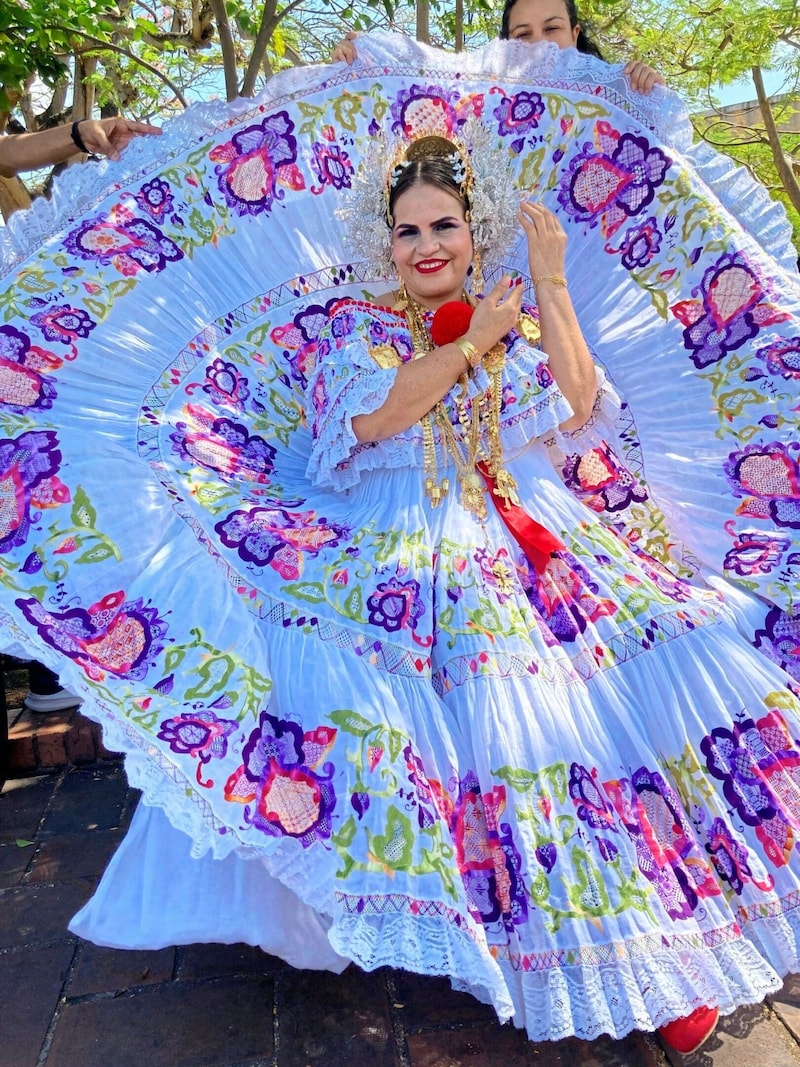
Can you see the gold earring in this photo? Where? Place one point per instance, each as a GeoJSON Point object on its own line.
{"type": "Point", "coordinates": [477, 274]}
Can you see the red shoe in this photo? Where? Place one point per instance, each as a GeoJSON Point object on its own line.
{"type": "Point", "coordinates": [688, 1034]}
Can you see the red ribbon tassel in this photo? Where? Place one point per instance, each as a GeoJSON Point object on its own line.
{"type": "Point", "coordinates": [451, 321]}
{"type": "Point", "coordinates": [535, 540]}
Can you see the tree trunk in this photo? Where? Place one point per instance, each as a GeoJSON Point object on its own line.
{"type": "Point", "coordinates": [82, 88]}
{"type": "Point", "coordinates": [13, 196]}
{"type": "Point", "coordinates": [423, 21]}
{"type": "Point", "coordinates": [783, 164]}
{"type": "Point", "coordinates": [56, 106]}
{"type": "Point", "coordinates": [270, 19]}
{"type": "Point", "coordinates": [459, 20]}
{"type": "Point", "coordinates": [228, 50]}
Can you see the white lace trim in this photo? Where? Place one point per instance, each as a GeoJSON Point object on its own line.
{"type": "Point", "coordinates": [79, 189]}
{"type": "Point", "coordinates": [337, 456]}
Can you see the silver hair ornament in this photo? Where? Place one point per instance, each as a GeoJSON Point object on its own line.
{"type": "Point", "coordinates": [493, 202]}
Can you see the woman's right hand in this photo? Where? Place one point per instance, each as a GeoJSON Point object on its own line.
{"type": "Point", "coordinates": [345, 50]}
{"type": "Point", "coordinates": [495, 315]}
{"type": "Point", "coordinates": [642, 78]}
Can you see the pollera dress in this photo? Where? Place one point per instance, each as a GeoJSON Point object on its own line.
{"type": "Point", "coordinates": [365, 729]}
{"type": "Point", "coordinates": [574, 791]}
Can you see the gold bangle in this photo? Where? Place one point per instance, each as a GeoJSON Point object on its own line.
{"type": "Point", "coordinates": [469, 351]}
{"type": "Point", "coordinates": [556, 279]}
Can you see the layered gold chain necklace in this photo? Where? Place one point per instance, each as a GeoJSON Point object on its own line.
{"type": "Point", "coordinates": [477, 451]}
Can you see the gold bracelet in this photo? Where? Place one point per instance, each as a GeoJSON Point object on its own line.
{"type": "Point", "coordinates": [556, 279]}
{"type": "Point", "coordinates": [469, 351]}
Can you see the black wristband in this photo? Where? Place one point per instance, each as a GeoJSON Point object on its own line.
{"type": "Point", "coordinates": [76, 137]}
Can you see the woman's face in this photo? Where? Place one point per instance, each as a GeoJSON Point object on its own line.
{"type": "Point", "coordinates": [541, 20]}
{"type": "Point", "coordinates": [431, 244]}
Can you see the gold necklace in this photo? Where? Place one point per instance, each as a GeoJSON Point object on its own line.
{"type": "Point", "coordinates": [479, 448]}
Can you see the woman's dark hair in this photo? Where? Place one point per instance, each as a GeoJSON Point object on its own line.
{"type": "Point", "coordinates": [427, 169]}
{"type": "Point", "coordinates": [585, 43]}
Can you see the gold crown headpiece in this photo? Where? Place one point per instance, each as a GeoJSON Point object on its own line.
{"type": "Point", "coordinates": [431, 146]}
{"type": "Point", "coordinates": [481, 169]}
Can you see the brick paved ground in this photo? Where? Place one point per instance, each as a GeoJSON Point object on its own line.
{"type": "Point", "coordinates": [66, 1003]}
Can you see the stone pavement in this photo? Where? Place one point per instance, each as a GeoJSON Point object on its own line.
{"type": "Point", "coordinates": [66, 1003]}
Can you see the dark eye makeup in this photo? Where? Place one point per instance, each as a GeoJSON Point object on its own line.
{"type": "Point", "coordinates": [413, 231]}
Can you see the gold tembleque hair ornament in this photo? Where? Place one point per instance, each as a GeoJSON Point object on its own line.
{"type": "Point", "coordinates": [481, 170]}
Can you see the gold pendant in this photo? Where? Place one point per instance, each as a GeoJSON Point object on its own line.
{"type": "Point", "coordinates": [473, 495]}
{"type": "Point", "coordinates": [506, 486]}
{"type": "Point", "coordinates": [503, 575]}
{"type": "Point", "coordinates": [495, 358]}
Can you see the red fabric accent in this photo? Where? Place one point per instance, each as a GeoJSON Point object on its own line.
{"type": "Point", "coordinates": [450, 321]}
{"type": "Point", "coordinates": [535, 540]}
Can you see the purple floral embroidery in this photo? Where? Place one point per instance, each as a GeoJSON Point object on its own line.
{"type": "Point", "coordinates": [562, 624]}
{"type": "Point", "coordinates": [547, 856]}
{"type": "Point", "coordinates": [667, 852]}
{"type": "Point", "coordinates": [199, 734]}
{"type": "Point", "coordinates": [664, 844]}
{"type": "Point", "coordinates": [298, 339]}
{"type": "Point", "coordinates": [22, 385]}
{"type": "Point", "coordinates": [225, 384]}
{"type": "Point", "coordinates": [782, 358]}
{"type": "Point", "coordinates": [425, 107]}
{"type": "Point", "coordinates": [227, 448]}
{"type": "Point", "coordinates": [420, 795]}
{"type": "Point", "coordinates": [489, 861]}
{"type": "Point", "coordinates": [608, 850]}
{"type": "Point", "coordinates": [115, 635]}
{"type": "Point", "coordinates": [601, 481]}
{"type": "Point", "coordinates": [730, 857]}
{"type": "Point", "coordinates": [779, 638]}
{"type": "Point", "coordinates": [396, 605]}
{"type": "Point", "coordinates": [342, 324]}
{"type": "Point", "coordinates": [14, 345]}
{"type": "Point", "coordinates": [742, 759]}
{"type": "Point", "coordinates": [567, 597]}
{"type": "Point", "coordinates": [126, 243]}
{"type": "Point", "coordinates": [677, 589]}
{"type": "Point", "coordinates": [64, 324]}
{"type": "Point", "coordinates": [613, 184]}
{"type": "Point", "coordinates": [640, 244]}
{"type": "Point", "coordinates": [360, 802]}
{"type": "Point", "coordinates": [27, 463]}
{"type": "Point", "coordinates": [768, 477]}
{"type": "Point", "coordinates": [755, 553]}
{"type": "Point", "coordinates": [518, 115]}
{"type": "Point", "coordinates": [400, 340]}
{"type": "Point", "coordinates": [592, 807]}
{"type": "Point", "coordinates": [332, 166]}
{"type": "Point", "coordinates": [155, 197]}
{"type": "Point", "coordinates": [291, 785]}
{"type": "Point", "coordinates": [250, 163]}
{"type": "Point", "coordinates": [259, 533]}
{"type": "Point", "coordinates": [729, 309]}
{"type": "Point", "coordinates": [275, 740]}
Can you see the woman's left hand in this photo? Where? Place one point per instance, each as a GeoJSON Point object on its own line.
{"type": "Point", "coordinates": [642, 78]}
{"type": "Point", "coordinates": [547, 241]}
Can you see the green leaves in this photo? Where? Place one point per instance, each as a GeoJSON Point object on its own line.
{"type": "Point", "coordinates": [34, 36]}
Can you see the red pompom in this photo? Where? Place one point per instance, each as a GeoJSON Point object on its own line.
{"type": "Point", "coordinates": [450, 321]}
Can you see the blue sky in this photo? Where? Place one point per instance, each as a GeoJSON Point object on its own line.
{"type": "Point", "coordinates": [741, 91]}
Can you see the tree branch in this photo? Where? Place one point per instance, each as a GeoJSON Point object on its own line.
{"type": "Point", "coordinates": [782, 163]}
{"type": "Point", "coordinates": [269, 20]}
{"type": "Point", "coordinates": [228, 50]}
{"type": "Point", "coordinates": [95, 45]}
